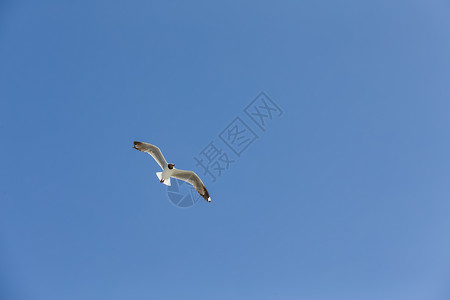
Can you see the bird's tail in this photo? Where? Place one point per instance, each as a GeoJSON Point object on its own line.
{"type": "Point", "coordinates": [166, 182]}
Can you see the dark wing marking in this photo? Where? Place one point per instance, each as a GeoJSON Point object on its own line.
{"type": "Point", "coordinates": [192, 178]}
{"type": "Point", "coordinates": [153, 151]}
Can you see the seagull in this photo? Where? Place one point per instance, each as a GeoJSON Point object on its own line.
{"type": "Point", "coordinates": [170, 171]}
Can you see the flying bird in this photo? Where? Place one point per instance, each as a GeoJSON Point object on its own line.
{"type": "Point", "coordinates": [170, 171]}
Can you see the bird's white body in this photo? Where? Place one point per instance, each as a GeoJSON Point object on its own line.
{"type": "Point", "coordinates": [165, 175]}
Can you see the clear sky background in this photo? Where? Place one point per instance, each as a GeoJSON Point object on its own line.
{"type": "Point", "coordinates": [346, 196]}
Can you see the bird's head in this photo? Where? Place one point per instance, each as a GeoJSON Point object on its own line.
{"type": "Point", "coordinates": [171, 166]}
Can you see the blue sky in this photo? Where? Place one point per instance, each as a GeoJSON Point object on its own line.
{"type": "Point", "coordinates": [345, 196]}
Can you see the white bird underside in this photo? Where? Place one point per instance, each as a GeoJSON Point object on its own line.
{"type": "Point", "coordinates": [166, 181]}
{"type": "Point", "coordinates": [164, 176]}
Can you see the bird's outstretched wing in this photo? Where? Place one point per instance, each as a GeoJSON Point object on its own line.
{"type": "Point", "coordinates": [192, 178]}
{"type": "Point", "coordinates": [153, 151]}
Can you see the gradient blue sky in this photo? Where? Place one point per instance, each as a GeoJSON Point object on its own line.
{"type": "Point", "coordinates": [346, 196]}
